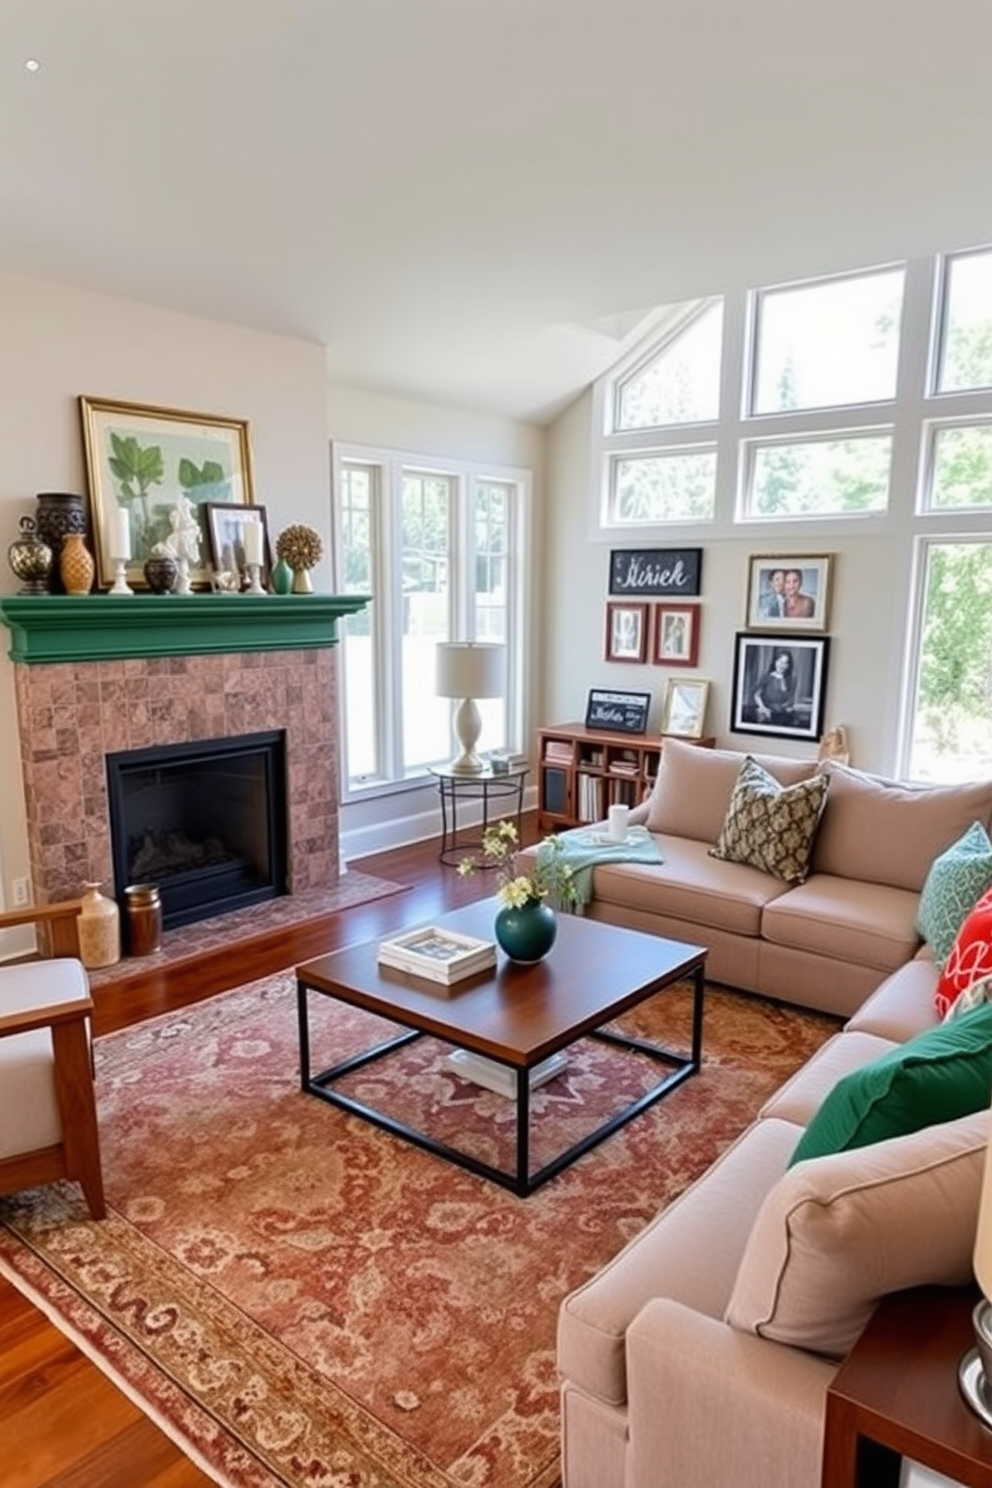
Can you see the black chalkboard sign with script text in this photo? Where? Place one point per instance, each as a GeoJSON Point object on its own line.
{"type": "Point", "coordinates": [623, 712]}
{"type": "Point", "coordinates": [651, 572]}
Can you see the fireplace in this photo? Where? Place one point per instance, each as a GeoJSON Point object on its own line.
{"type": "Point", "coordinates": [205, 820]}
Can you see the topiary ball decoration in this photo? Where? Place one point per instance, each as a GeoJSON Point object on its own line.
{"type": "Point", "coordinates": [299, 546]}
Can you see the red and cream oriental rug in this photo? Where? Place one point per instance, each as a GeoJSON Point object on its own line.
{"type": "Point", "coordinates": [302, 1299]}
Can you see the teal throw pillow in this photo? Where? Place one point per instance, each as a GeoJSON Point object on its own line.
{"type": "Point", "coordinates": [954, 885]}
{"type": "Point", "coordinates": [937, 1076]}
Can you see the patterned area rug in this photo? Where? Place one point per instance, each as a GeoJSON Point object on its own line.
{"type": "Point", "coordinates": [304, 1300]}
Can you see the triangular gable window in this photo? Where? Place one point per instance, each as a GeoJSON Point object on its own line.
{"type": "Point", "coordinates": [680, 384]}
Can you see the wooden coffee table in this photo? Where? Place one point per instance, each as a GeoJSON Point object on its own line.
{"type": "Point", "coordinates": [517, 1016]}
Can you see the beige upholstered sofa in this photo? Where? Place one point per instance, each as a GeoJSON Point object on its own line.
{"type": "Point", "coordinates": [701, 1355]}
{"type": "Point", "coordinates": [825, 943]}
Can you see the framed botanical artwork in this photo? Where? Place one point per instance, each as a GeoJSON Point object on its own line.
{"type": "Point", "coordinates": [150, 462]}
{"type": "Point", "coordinates": [788, 592]}
{"type": "Point", "coordinates": [684, 711]}
{"type": "Point", "coordinates": [780, 685]}
{"type": "Point", "coordinates": [626, 632]}
{"type": "Point", "coordinates": [676, 634]}
{"type": "Point", "coordinates": [226, 524]}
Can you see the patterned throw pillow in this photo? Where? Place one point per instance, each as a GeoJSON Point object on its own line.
{"type": "Point", "coordinates": [955, 883]}
{"type": "Point", "coordinates": [970, 959]}
{"type": "Point", "coordinates": [771, 826]}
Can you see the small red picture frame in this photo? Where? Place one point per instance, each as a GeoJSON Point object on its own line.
{"type": "Point", "coordinates": [626, 631]}
{"type": "Point", "coordinates": [676, 635]}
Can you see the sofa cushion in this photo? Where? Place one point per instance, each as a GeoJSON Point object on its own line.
{"type": "Point", "coordinates": [957, 880]}
{"type": "Point", "coordinates": [865, 924]}
{"type": "Point", "coordinates": [771, 826]}
{"type": "Point", "coordinates": [692, 791]}
{"type": "Point", "coordinates": [689, 1252]}
{"type": "Point", "coordinates": [837, 1234]}
{"type": "Point", "coordinates": [902, 1006]}
{"type": "Point", "coordinates": [689, 885]}
{"type": "Point", "coordinates": [970, 958]}
{"type": "Point", "coordinates": [887, 833]}
{"type": "Point", "coordinates": [939, 1075]}
{"type": "Point", "coordinates": [802, 1095]}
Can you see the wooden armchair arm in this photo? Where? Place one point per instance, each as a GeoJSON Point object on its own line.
{"type": "Point", "coordinates": [45, 1017]}
{"type": "Point", "coordinates": [58, 922]}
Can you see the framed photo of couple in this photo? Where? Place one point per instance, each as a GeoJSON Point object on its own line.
{"type": "Point", "coordinates": [788, 591]}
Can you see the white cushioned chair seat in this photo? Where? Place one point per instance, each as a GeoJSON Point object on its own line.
{"type": "Point", "coordinates": [29, 1115]}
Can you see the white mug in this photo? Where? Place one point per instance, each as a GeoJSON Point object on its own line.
{"type": "Point", "coordinates": [617, 822]}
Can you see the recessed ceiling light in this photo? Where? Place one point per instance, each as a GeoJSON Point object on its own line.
{"type": "Point", "coordinates": [32, 65]}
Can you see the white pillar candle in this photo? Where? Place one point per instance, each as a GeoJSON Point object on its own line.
{"type": "Point", "coordinates": [253, 542]}
{"type": "Point", "coordinates": [119, 534]}
{"type": "Point", "coordinates": [617, 822]}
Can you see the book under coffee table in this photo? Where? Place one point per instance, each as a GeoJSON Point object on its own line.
{"type": "Point", "coordinates": [517, 1016]}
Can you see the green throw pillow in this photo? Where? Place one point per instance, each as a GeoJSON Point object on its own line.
{"type": "Point", "coordinates": [939, 1075]}
{"type": "Point", "coordinates": [954, 885]}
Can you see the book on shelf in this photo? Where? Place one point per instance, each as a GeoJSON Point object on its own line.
{"type": "Point", "coordinates": [439, 955]}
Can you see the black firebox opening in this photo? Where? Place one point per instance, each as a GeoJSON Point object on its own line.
{"type": "Point", "coordinates": [206, 821]}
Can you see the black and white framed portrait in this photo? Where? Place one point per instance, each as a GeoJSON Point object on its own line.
{"type": "Point", "coordinates": [780, 685]}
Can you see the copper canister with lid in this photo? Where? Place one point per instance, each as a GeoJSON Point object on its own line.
{"type": "Point", "coordinates": [144, 919]}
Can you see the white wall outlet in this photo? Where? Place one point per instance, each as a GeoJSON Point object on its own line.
{"type": "Point", "coordinates": [21, 888]}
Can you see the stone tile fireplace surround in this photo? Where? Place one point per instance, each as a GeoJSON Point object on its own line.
{"type": "Point", "coordinates": [136, 675]}
{"type": "Point", "coordinates": [71, 715]}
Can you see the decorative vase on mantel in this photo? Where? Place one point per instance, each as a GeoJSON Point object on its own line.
{"type": "Point", "coordinates": [526, 934]}
{"type": "Point", "coordinates": [30, 559]}
{"type": "Point", "coordinates": [77, 567]}
{"type": "Point", "coordinates": [59, 513]}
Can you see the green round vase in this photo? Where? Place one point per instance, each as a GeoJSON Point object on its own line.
{"type": "Point", "coordinates": [526, 934]}
{"type": "Point", "coordinates": [282, 577]}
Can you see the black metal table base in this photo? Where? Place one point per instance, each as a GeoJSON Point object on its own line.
{"type": "Point", "coordinates": [521, 1181]}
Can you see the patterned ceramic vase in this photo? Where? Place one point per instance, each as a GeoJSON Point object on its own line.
{"type": "Point", "coordinates": [30, 559]}
{"type": "Point", "coordinates": [76, 565]}
{"type": "Point", "coordinates": [526, 934]}
{"type": "Point", "coordinates": [59, 513]}
{"type": "Point", "coordinates": [161, 573]}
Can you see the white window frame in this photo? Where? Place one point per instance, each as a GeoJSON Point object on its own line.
{"type": "Point", "coordinates": [391, 466]}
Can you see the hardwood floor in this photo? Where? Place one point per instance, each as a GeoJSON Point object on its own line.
{"type": "Point", "coordinates": [62, 1422]}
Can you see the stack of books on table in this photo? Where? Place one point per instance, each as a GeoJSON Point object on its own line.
{"type": "Point", "coordinates": [439, 955]}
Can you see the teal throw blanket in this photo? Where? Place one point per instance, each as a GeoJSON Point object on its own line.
{"type": "Point", "coordinates": [584, 847]}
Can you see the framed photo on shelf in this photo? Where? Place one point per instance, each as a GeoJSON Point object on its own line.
{"type": "Point", "coordinates": [780, 685]}
{"type": "Point", "coordinates": [146, 460]}
{"type": "Point", "coordinates": [788, 591]}
{"type": "Point", "coordinates": [676, 634]}
{"type": "Point", "coordinates": [626, 631]}
{"type": "Point", "coordinates": [684, 710]}
{"type": "Point", "coordinates": [226, 526]}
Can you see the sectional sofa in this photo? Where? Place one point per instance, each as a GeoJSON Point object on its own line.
{"type": "Point", "coordinates": [701, 1355]}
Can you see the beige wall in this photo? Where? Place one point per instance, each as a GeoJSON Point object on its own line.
{"type": "Point", "coordinates": [58, 343]}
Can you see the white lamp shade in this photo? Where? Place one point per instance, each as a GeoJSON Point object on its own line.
{"type": "Point", "coordinates": [466, 669]}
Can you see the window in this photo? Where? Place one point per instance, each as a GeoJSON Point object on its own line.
{"type": "Point", "coordinates": [680, 384]}
{"type": "Point", "coordinates": [820, 477]}
{"type": "Point", "coordinates": [440, 548]}
{"type": "Point", "coordinates": [964, 357]}
{"type": "Point", "coordinates": [950, 734]}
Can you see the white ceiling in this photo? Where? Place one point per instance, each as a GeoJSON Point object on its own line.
{"type": "Point", "coordinates": [470, 201]}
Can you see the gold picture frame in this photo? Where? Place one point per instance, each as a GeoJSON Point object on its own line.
{"type": "Point", "coordinates": [683, 713]}
{"type": "Point", "coordinates": [146, 460]}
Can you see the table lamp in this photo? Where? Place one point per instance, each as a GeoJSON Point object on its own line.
{"type": "Point", "coordinates": [469, 670]}
{"type": "Point", "coordinates": [975, 1374]}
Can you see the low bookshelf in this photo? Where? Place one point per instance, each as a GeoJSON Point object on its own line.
{"type": "Point", "coordinates": [582, 772]}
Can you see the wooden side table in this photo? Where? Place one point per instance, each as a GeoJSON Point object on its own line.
{"type": "Point", "coordinates": [897, 1395]}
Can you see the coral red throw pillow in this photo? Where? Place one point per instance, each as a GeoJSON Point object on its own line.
{"type": "Point", "coordinates": [971, 955]}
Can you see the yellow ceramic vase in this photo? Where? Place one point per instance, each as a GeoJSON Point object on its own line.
{"type": "Point", "coordinates": [76, 565]}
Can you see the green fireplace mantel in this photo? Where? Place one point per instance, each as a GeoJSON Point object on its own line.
{"type": "Point", "coordinates": [46, 628]}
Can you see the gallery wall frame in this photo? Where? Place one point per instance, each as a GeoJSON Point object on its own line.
{"type": "Point", "coordinates": [683, 713]}
{"type": "Point", "coordinates": [626, 631]}
{"type": "Point", "coordinates": [780, 685]}
{"type": "Point", "coordinates": [676, 635]}
{"type": "Point", "coordinates": [618, 712]}
{"type": "Point", "coordinates": [788, 591]}
{"type": "Point", "coordinates": [145, 459]}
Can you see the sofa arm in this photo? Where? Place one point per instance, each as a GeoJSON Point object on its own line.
{"type": "Point", "coordinates": [712, 1407]}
